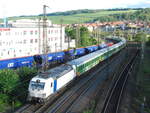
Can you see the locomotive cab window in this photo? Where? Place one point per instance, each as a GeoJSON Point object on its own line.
{"type": "Point", "coordinates": [36, 85]}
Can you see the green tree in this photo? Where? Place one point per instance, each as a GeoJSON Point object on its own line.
{"type": "Point", "coordinates": [14, 86]}
{"type": "Point", "coordinates": [119, 32]}
{"type": "Point", "coordinates": [70, 32]}
{"type": "Point", "coordinates": [148, 41]}
{"type": "Point", "coordinates": [84, 37]}
{"type": "Point", "coordinates": [129, 37]}
{"type": "Point", "coordinates": [139, 37]}
{"type": "Point", "coordinates": [8, 81]}
{"type": "Point", "coordinates": [25, 75]}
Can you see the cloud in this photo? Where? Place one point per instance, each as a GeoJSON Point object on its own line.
{"type": "Point", "coordinates": [141, 4]}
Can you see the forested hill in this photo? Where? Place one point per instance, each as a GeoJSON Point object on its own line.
{"type": "Point", "coordinates": [142, 14]}
{"type": "Point", "coordinates": [101, 15]}
{"type": "Point", "coordinates": [73, 12]}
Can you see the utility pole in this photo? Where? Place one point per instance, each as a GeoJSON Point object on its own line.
{"type": "Point", "coordinates": [39, 28]}
{"type": "Point", "coordinates": [45, 46]}
{"type": "Point", "coordinates": [99, 35]}
{"type": "Point", "coordinates": [61, 21]}
{"type": "Point", "coordinates": [68, 40]}
{"type": "Point", "coordinates": [77, 35]}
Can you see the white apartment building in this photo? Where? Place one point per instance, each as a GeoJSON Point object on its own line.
{"type": "Point", "coordinates": [26, 39]}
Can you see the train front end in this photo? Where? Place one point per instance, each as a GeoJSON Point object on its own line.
{"type": "Point", "coordinates": [39, 89]}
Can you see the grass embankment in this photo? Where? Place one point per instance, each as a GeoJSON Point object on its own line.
{"type": "Point", "coordinates": [143, 82]}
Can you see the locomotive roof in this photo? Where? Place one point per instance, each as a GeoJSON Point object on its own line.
{"type": "Point", "coordinates": [56, 72]}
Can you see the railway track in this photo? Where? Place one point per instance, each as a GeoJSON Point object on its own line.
{"type": "Point", "coordinates": [103, 90]}
{"type": "Point", "coordinates": [114, 95]}
{"type": "Point", "coordinates": [66, 102]}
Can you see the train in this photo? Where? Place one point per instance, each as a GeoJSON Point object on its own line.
{"type": "Point", "coordinates": [42, 86]}
{"type": "Point", "coordinates": [52, 57]}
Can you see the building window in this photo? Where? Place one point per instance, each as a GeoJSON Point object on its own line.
{"type": "Point", "coordinates": [36, 40]}
{"type": "Point", "coordinates": [31, 41]}
{"type": "Point", "coordinates": [16, 33]}
{"type": "Point", "coordinates": [49, 32]}
{"type": "Point", "coordinates": [31, 32]}
{"type": "Point", "coordinates": [36, 32]}
{"type": "Point", "coordinates": [6, 33]}
{"type": "Point", "coordinates": [24, 32]}
{"type": "Point", "coordinates": [24, 41]}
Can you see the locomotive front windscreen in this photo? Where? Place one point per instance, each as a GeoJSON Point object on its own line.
{"type": "Point", "coordinates": [37, 85]}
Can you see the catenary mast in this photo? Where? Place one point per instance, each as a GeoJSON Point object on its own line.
{"type": "Point", "coordinates": [45, 46]}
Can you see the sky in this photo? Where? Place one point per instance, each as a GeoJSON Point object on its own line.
{"type": "Point", "coordinates": [10, 8]}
